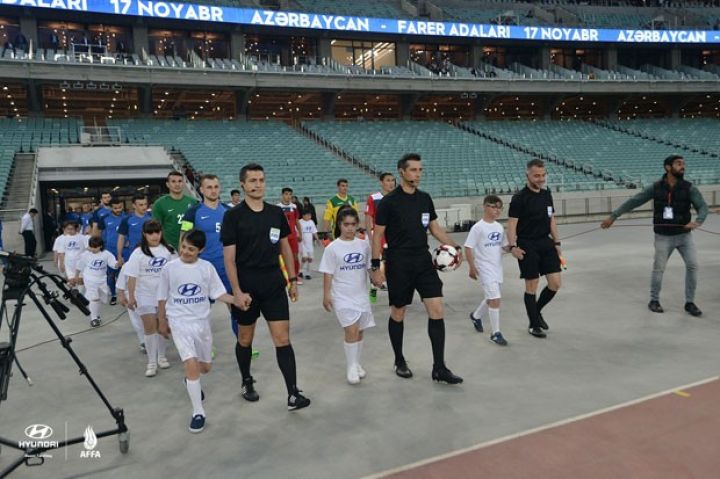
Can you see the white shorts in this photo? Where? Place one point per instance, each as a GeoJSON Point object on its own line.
{"type": "Point", "coordinates": [97, 292]}
{"type": "Point", "coordinates": [146, 305]}
{"type": "Point", "coordinates": [307, 252]}
{"type": "Point", "coordinates": [492, 290]}
{"type": "Point", "coordinates": [348, 317]}
{"type": "Point", "coordinates": [193, 339]}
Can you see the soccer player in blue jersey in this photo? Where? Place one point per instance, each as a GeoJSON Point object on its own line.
{"type": "Point", "coordinates": [208, 218]}
{"type": "Point", "coordinates": [130, 230]}
{"type": "Point", "coordinates": [108, 227]}
{"type": "Point", "coordinates": [103, 210]}
{"type": "Point", "coordinates": [86, 219]}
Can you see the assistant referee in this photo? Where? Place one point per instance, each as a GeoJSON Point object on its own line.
{"type": "Point", "coordinates": [403, 218]}
{"type": "Point", "coordinates": [535, 242]}
{"type": "Point", "coordinates": [254, 234]}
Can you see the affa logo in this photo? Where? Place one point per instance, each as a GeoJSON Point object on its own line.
{"type": "Point", "coordinates": [90, 444]}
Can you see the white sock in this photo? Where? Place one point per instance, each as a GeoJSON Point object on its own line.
{"type": "Point", "coordinates": [194, 390]}
{"type": "Point", "coordinates": [94, 308]}
{"type": "Point", "coordinates": [494, 319]}
{"type": "Point", "coordinates": [151, 346]}
{"type": "Point", "coordinates": [351, 354]}
{"type": "Point", "coordinates": [162, 346]}
{"type": "Point", "coordinates": [137, 325]}
{"type": "Point", "coordinates": [481, 310]}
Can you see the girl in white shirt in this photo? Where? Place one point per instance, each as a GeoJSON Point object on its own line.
{"type": "Point", "coordinates": [345, 265]}
{"type": "Point", "coordinates": [143, 272]}
{"type": "Point", "coordinates": [69, 247]}
{"type": "Point", "coordinates": [92, 268]}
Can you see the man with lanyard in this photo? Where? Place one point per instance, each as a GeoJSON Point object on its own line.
{"type": "Point", "coordinates": [108, 227]}
{"type": "Point", "coordinates": [333, 205]}
{"type": "Point", "coordinates": [254, 234]}
{"type": "Point", "coordinates": [403, 218]}
{"type": "Point", "coordinates": [293, 217]}
{"type": "Point", "coordinates": [208, 218]}
{"type": "Point", "coordinates": [672, 198]}
{"type": "Point", "coordinates": [130, 229]}
{"type": "Point", "coordinates": [100, 213]}
{"type": "Point", "coordinates": [169, 209]}
{"type": "Point", "coordinates": [535, 242]}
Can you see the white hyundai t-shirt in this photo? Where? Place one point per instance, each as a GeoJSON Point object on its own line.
{"type": "Point", "coordinates": [93, 266]}
{"type": "Point", "coordinates": [72, 246]}
{"type": "Point", "coordinates": [308, 230]}
{"type": "Point", "coordinates": [487, 241]}
{"type": "Point", "coordinates": [348, 262]}
{"type": "Point", "coordinates": [147, 271]}
{"type": "Point", "coordinates": [188, 288]}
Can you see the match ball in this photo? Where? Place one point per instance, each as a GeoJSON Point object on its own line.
{"type": "Point", "coordinates": [446, 258]}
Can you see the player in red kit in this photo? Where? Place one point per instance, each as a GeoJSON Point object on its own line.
{"type": "Point", "coordinates": [293, 216]}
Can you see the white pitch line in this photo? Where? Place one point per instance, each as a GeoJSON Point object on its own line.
{"type": "Point", "coordinates": [527, 432]}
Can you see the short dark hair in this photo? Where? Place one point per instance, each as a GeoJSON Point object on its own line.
{"type": "Point", "coordinates": [173, 173]}
{"type": "Point", "coordinates": [139, 197]}
{"type": "Point", "coordinates": [115, 200]}
{"type": "Point", "coordinates": [234, 192]}
{"type": "Point", "coordinates": [195, 238]}
{"type": "Point", "coordinates": [96, 242]}
{"type": "Point", "coordinates": [249, 167]}
{"type": "Point", "coordinates": [72, 223]}
{"type": "Point", "coordinates": [492, 200]}
{"type": "Point", "coordinates": [385, 175]}
{"type": "Point", "coordinates": [33, 210]}
{"type": "Point", "coordinates": [341, 180]}
{"type": "Point", "coordinates": [208, 177]}
{"type": "Point", "coordinates": [286, 190]}
{"type": "Point", "coordinates": [402, 162]}
{"type": "Point", "coordinates": [535, 162]}
{"type": "Point", "coordinates": [106, 193]}
{"type": "Point", "coordinates": [671, 159]}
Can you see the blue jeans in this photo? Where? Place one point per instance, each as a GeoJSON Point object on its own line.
{"type": "Point", "coordinates": [664, 246]}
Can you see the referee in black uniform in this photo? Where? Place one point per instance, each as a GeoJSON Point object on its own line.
{"type": "Point", "coordinates": [535, 242]}
{"type": "Point", "coordinates": [403, 217]}
{"type": "Point", "coordinates": [254, 234]}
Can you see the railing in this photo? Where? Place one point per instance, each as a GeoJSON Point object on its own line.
{"type": "Point", "coordinates": [33, 183]}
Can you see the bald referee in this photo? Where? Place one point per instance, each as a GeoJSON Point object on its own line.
{"type": "Point", "coordinates": [535, 242]}
{"type": "Point", "coordinates": [403, 218]}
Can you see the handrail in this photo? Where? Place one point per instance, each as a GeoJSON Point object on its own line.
{"type": "Point", "coordinates": [34, 181]}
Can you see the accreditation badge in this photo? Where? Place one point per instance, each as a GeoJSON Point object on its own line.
{"type": "Point", "coordinates": [425, 219]}
{"type": "Point", "coordinates": [274, 235]}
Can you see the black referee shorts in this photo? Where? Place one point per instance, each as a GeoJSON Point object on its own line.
{"type": "Point", "coordinates": [406, 274]}
{"type": "Point", "coordinates": [269, 297]}
{"type": "Point", "coordinates": [540, 258]}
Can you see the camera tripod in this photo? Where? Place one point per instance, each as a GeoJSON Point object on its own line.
{"type": "Point", "coordinates": [22, 276]}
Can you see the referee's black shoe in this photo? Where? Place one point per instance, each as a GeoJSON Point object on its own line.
{"type": "Point", "coordinates": [537, 332]}
{"type": "Point", "coordinates": [248, 390]}
{"type": "Point", "coordinates": [402, 370]}
{"type": "Point", "coordinates": [443, 375]}
{"type": "Point", "coordinates": [655, 307]}
{"type": "Point", "coordinates": [297, 401]}
{"type": "Point", "coordinates": [542, 323]}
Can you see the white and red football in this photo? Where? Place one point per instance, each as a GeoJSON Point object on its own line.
{"type": "Point", "coordinates": [446, 258]}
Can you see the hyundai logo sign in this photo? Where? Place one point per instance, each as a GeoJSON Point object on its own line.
{"type": "Point", "coordinates": [38, 431]}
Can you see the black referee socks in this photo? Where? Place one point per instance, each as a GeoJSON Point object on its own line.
{"type": "Point", "coordinates": [396, 330]}
{"type": "Point", "coordinates": [286, 360]}
{"type": "Point", "coordinates": [436, 331]}
{"type": "Point", "coordinates": [243, 356]}
{"type": "Point", "coordinates": [531, 306]}
{"type": "Point", "coordinates": [546, 296]}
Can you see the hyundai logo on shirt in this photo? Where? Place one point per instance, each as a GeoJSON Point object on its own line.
{"type": "Point", "coordinates": [353, 261]}
{"type": "Point", "coordinates": [97, 264]}
{"type": "Point", "coordinates": [191, 294]}
{"type": "Point", "coordinates": [494, 236]}
{"type": "Point", "coordinates": [189, 289]}
{"type": "Point", "coordinates": [495, 239]}
{"type": "Point", "coordinates": [155, 265]}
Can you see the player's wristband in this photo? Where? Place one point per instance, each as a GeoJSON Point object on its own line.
{"type": "Point", "coordinates": [374, 264]}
